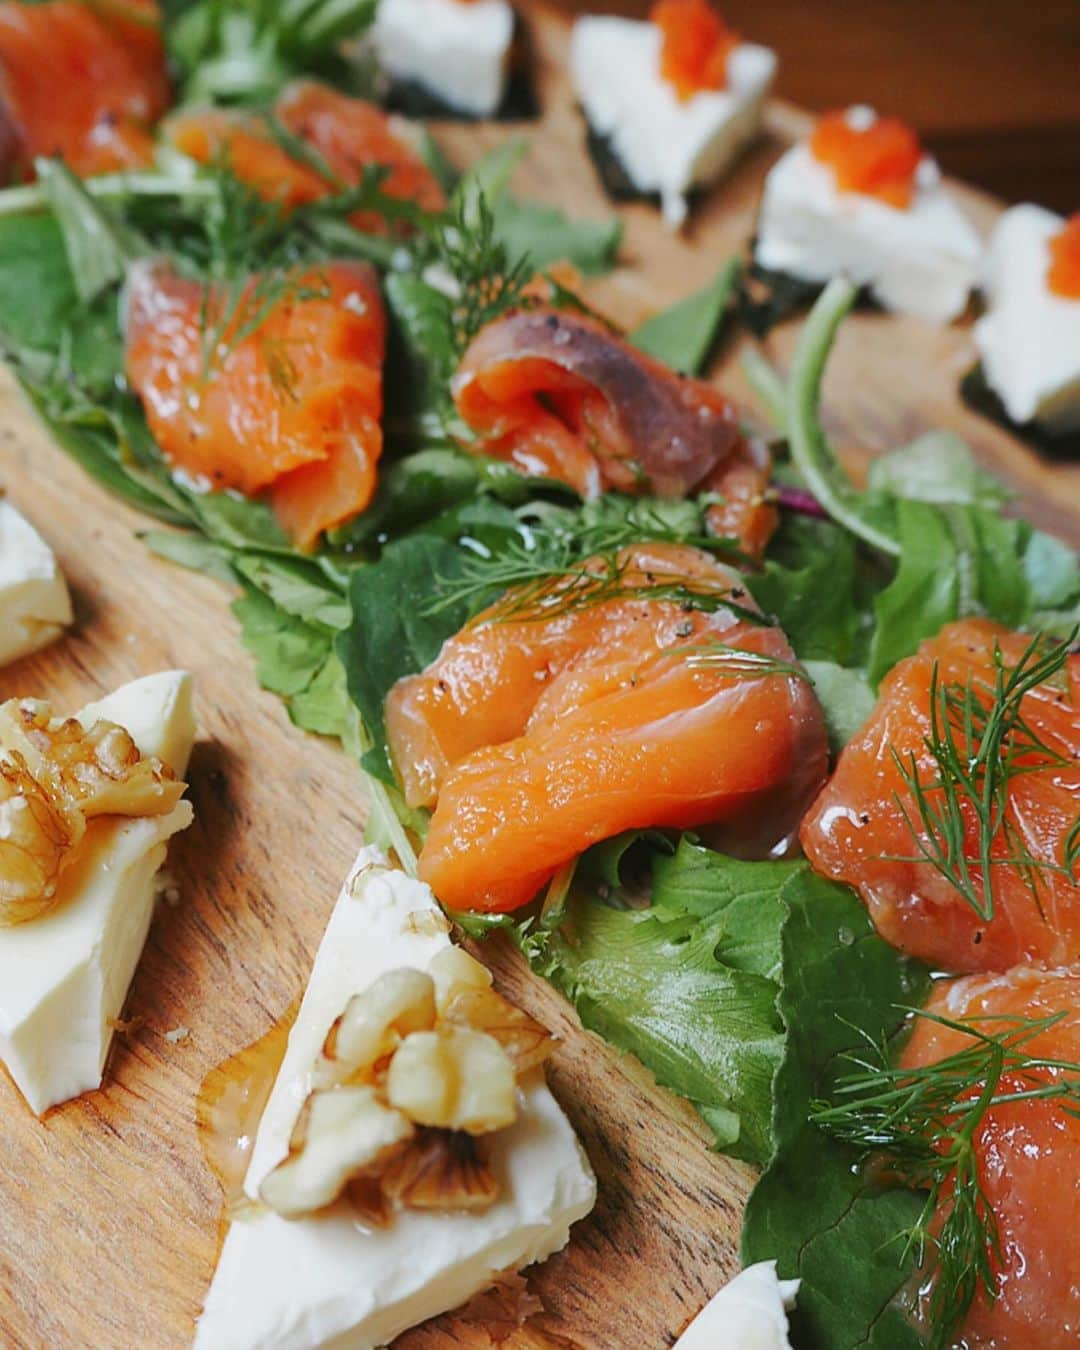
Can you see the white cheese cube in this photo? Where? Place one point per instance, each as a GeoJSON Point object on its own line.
{"type": "Point", "coordinates": [64, 976]}
{"type": "Point", "coordinates": [458, 50]}
{"type": "Point", "coordinates": [922, 259]}
{"type": "Point", "coordinates": [324, 1279]}
{"type": "Point", "coordinates": [747, 1314]}
{"type": "Point", "coordinates": [34, 603]}
{"type": "Point", "coordinates": [1029, 338]}
{"type": "Point", "coordinates": [666, 145]}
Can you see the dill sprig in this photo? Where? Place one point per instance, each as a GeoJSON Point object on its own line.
{"type": "Point", "coordinates": [253, 267]}
{"type": "Point", "coordinates": [465, 245]}
{"type": "Point", "coordinates": [979, 742]}
{"type": "Point", "coordinates": [552, 568]}
{"type": "Point", "coordinates": [923, 1123]}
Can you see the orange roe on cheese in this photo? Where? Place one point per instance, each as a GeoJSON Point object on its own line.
{"type": "Point", "coordinates": [880, 160]}
{"type": "Point", "coordinates": [1063, 276]}
{"type": "Point", "coordinates": [695, 46]}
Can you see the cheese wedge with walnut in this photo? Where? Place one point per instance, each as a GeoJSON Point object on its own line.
{"type": "Point", "coordinates": [87, 807]}
{"type": "Point", "coordinates": [410, 1150]}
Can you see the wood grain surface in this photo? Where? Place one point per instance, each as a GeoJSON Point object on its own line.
{"type": "Point", "coordinates": [109, 1218]}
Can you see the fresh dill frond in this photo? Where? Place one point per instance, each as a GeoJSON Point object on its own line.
{"type": "Point", "coordinates": [552, 567]}
{"type": "Point", "coordinates": [979, 742]}
{"type": "Point", "coordinates": [253, 265]}
{"type": "Point", "coordinates": [921, 1124]}
{"type": "Point", "coordinates": [465, 245]}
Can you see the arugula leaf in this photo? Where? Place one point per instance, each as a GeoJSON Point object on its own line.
{"type": "Point", "coordinates": [546, 235]}
{"type": "Point", "coordinates": [193, 551]}
{"type": "Point", "coordinates": [288, 652]}
{"type": "Point", "coordinates": [936, 467]}
{"type": "Point", "coordinates": [683, 335]}
{"type": "Point", "coordinates": [683, 984]}
{"type": "Point", "coordinates": [243, 51]}
{"type": "Point", "coordinates": [955, 561]}
{"type": "Point", "coordinates": [99, 248]}
{"type": "Point", "coordinates": [846, 697]}
{"type": "Point", "coordinates": [813, 1210]}
{"type": "Point", "coordinates": [809, 447]}
{"type": "Point", "coordinates": [819, 586]}
{"type": "Point", "coordinates": [37, 290]}
{"type": "Point", "coordinates": [390, 635]}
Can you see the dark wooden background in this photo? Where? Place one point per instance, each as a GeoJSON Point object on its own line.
{"type": "Point", "coordinates": [992, 85]}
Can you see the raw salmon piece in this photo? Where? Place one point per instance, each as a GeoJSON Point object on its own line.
{"type": "Point", "coordinates": [558, 394]}
{"type": "Point", "coordinates": [293, 406]}
{"type": "Point", "coordinates": [85, 82]}
{"type": "Point", "coordinates": [348, 135]}
{"type": "Point", "coordinates": [856, 831]}
{"type": "Point", "coordinates": [351, 135]}
{"type": "Point", "coordinates": [538, 734]}
{"type": "Point", "coordinates": [211, 135]}
{"type": "Point", "coordinates": [1028, 1157]}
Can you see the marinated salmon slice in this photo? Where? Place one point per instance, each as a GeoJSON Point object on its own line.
{"type": "Point", "coordinates": [278, 394]}
{"type": "Point", "coordinates": [346, 136]}
{"type": "Point", "coordinates": [559, 394]}
{"type": "Point", "coordinates": [82, 81]}
{"type": "Point", "coordinates": [565, 715]}
{"type": "Point", "coordinates": [1028, 1157]}
{"type": "Point", "coordinates": [867, 828]}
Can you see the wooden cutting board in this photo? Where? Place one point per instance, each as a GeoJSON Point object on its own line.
{"type": "Point", "coordinates": [109, 1217]}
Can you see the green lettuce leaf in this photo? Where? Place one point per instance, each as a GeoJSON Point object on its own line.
{"type": "Point", "coordinates": [955, 561]}
{"type": "Point", "coordinates": [546, 234]}
{"type": "Point", "coordinates": [814, 1210]}
{"type": "Point", "coordinates": [391, 634]}
{"type": "Point", "coordinates": [686, 985]}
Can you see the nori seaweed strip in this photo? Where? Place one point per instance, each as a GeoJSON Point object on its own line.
{"type": "Point", "coordinates": [980, 398]}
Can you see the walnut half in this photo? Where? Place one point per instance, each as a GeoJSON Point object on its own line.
{"type": "Point", "coordinates": [55, 776]}
{"type": "Point", "coordinates": [414, 1074]}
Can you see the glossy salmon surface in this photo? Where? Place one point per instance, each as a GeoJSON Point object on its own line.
{"type": "Point", "coordinates": [345, 135]}
{"type": "Point", "coordinates": [281, 394]}
{"type": "Point", "coordinates": [85, 82]}
{"type": "Point", "coordinates": [546, 726]}
{"type": "Point", "coordinates": [558, 394]}
{"type": "Point", "coordinates": [858, 830]}
{"type": "Point", "coordinates": [1028, 1156]}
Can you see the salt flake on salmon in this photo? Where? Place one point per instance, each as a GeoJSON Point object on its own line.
{"type": "Point", "coordinates": [643, 691]}
{"type": "Point", "coordinates": [281, 396]}
{"type": "Point", "coordinates": [898, 823]}
{"type": "Point", "coordinates": [559, 394]}
{"type": "Point", "coordinates": [84, 82]}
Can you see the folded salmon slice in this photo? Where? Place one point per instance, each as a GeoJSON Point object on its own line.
{"type": "Point", "coordinates": [278, 393]}
{"type": "Point", "coordinates": [85, 82]}
{"type": "Point", "coordinates": [547, 725]}
{"type": "Point", "coordinates": [857, 831]}
{"type": "Point", "coordinates": [347, 136]}
{"type": "Point", "coordinates": [559, 394]}
{"type": "Point", "coordinates": [1028, 1157]}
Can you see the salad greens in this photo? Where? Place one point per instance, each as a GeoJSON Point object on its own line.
{"type": "Point", "coordinates": [741, 985]}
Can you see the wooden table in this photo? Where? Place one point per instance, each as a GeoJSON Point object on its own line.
{"type": "Point", "coordinates": [109, 1217]}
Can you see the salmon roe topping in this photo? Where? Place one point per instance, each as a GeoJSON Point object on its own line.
{"type": "Point", "coordinates": [695, 46]}
{"type": "Point", "coordinates": [878, 160]}
{"type": "Point", "coordinates": [1063, 277]}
